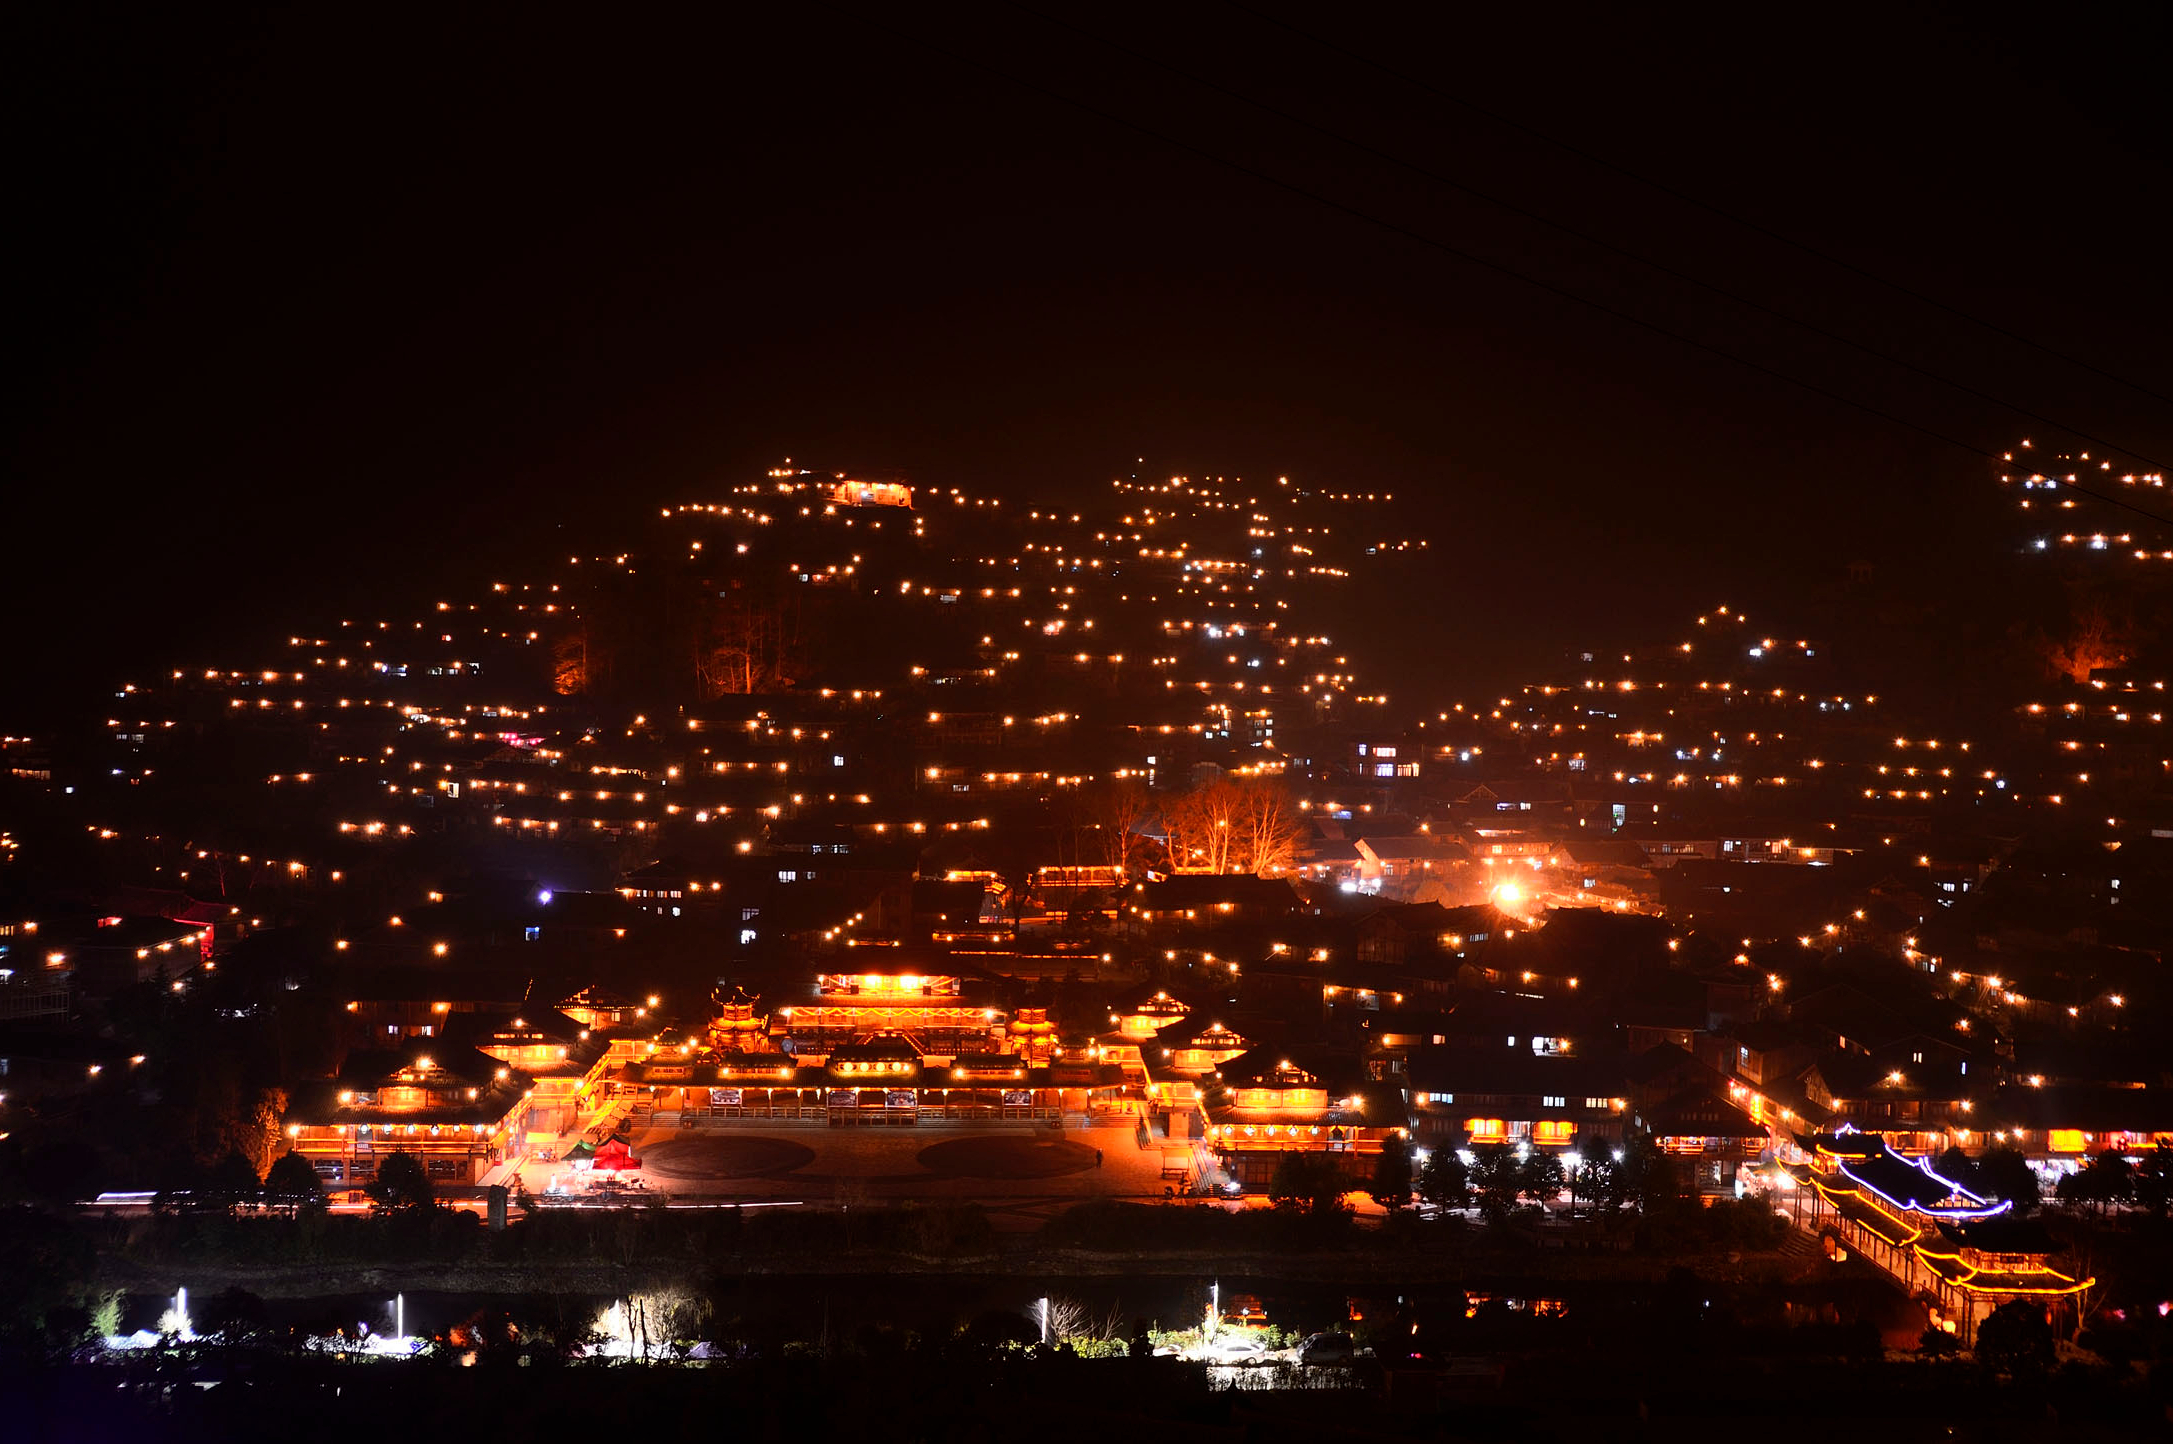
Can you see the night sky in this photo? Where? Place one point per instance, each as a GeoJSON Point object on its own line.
{"type": "Point", "coordinates": [315, 307]}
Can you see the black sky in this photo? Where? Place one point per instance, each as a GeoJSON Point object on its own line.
{"type": "Point", "coordinates": [309, 305]}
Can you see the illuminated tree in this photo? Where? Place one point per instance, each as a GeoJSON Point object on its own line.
{"type": "Point", "coordinates": [1062, 1320]}
{"type": "Point", "coordinates": [746, 643]}
{"type": "Point", "coordinates": [1268, 830]}
{"type": "Point", "coordinates": [570, 670]}
{"type": "Point", "coordinates": [2100, 633]}
{"type": "Point", "coordinates": [1232, 825]}
{"type": "Point", "coordinates": [1199, 830]}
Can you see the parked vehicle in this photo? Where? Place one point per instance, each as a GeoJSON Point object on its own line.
{"type": "Point", "coordinates": [1234, 1349]}
{"type": "Point", "coordinates": [1327, 1349]}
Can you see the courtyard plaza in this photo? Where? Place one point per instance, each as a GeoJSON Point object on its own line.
{"type": "Point", "coordinates": [1021, 1172]}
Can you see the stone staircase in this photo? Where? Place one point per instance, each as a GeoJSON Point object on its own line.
{"type": "Point", "coordinates": [1800, 1244]}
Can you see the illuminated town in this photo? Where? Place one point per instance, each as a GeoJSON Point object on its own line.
{"type": "Point", "coordinates": [1052, 945]}
{"type": "Point", "coordinates": [1070, 860]}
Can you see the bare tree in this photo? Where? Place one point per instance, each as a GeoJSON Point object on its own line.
{"type": "Point", "coordinates": [2099, 633]}
{"type": "Point", "coordinates": [1268, 828]}
{"type": "Point", "coordinates": [1232, 825]}
{"type": "Point", "coordinates": [1017, 881]}
{"type": "Point", "coordinates": [571, 673]}
{"type": "Point", "coordinates": [744, 643]}
{"type": "Point", "coordinates": [1063, 1320]}
{"type": "Point", "coordinates": [1199, 828]}
{"type": "Point", "coordinates": [732, 647]}
{"type": "Point", "coordinates": [1116, 808]}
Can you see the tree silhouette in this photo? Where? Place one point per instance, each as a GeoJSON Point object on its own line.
{"type": "Point", "coordinates": [2154, 1180]}
{"type": "Point", "coordinates": [1497, 1178]}
{"type": "Point", "coordinates": [1444, 1181]}
{"type": "Point", "coordinates": [292, 1182]}
{"type": "Point", "coordinates": [1539, 1176]}
{"type": "Point", "coordinates": [2015, 1340]}
{"type": "Point", "coordinates": [1596, 1178]}
{"type": "Point", "coordinates": [232, 1180]}
{"type": "Point", "coordinates": [1116, 807]}
{"type": "Point", "coordinates": [2106, 1180]}
{"type": "Point", "coordinates": [1307, 1183]}
{"type": "Point", "coordinates": [2005, 1173]}
{"type": "Point", "coordinates": [1391, 1182]}
{"type": "Point", "coordinates": [402, 1182]}
{"type": "Point", "coordinates": [1644, 1175]}
{"type": "Point", "coordinates": [1016, 862]}
{"type": "Point", "coordinates": [231, 1313]}
{"type": "Point", "coordinates": [1938, 1344]}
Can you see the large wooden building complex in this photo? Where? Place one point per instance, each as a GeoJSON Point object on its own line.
{"type": "Point", "coordinates": [886, 1048]}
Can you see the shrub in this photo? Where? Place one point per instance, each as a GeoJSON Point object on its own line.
{"type": "Point", "coordinates": [1938, 1344]}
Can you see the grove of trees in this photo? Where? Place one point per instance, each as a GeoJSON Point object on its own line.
{"type": "Point", "coordinates": [1232, 824]}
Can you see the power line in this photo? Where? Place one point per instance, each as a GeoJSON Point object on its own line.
{"type": "Point", "coordinates": [1468, 257]}
{"type": "Point", "coordinates": [1592, 240]}
{"type": "Point", "coordinates": [1665, 189]}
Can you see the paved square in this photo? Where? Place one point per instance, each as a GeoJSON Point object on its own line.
{"type": "Point", "coordinates": [1023, 1173]}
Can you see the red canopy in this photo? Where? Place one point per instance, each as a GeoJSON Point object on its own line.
{"type": "Point", "coordinates": [614, 1157]}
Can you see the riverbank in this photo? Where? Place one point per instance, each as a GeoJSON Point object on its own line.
{"type": "Point", "coordinates": [1355, 1267]}
{"type": "Point", "coordinates": [613, 1251]}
